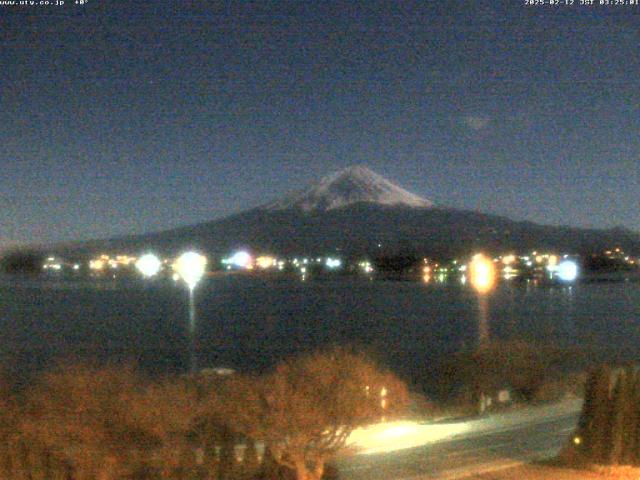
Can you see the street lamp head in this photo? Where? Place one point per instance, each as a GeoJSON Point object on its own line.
{"type": "Point", "coordinates": [190, 266]}
{"type": "Point", "coordinates": [148, 265]}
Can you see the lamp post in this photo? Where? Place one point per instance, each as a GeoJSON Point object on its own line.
{"type": "Point", "coordinates": [190, 266]}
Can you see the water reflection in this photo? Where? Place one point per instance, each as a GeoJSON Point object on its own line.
{"type": "Point", "coordinates": [249, 322]}
{"type": "Point", "coordinates": [482, 275]}
{"type": "Point", "coordinates": [483, 321]}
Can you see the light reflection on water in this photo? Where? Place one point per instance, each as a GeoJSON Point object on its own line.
{"type": "Point", "coordinates": [251, 322]}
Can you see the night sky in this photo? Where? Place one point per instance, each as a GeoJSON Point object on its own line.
{"type": "Point", "coordinates": [122, 117]}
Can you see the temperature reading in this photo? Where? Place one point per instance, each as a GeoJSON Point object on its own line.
{"type": "Point", "coordinates": [81, 2]}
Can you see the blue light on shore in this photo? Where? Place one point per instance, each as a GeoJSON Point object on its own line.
{"type": "Point", "coordinates": [567, 271]}
{"type": "Point", "coordinates": [241, 259]}
{"type": "Point", "coordinates": [333, 263]}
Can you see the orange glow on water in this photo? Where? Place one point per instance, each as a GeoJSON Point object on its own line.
{"type": "Point", "coordinates": [482, 273]}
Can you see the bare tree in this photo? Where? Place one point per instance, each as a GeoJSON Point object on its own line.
{"type": "Point", "coordinates": [307, 407]}
{"type": "Point", "coordinates": [107, 423]}
{"type": "Point", "coordinates": [8, 418]}
{"type": "Point", "coordinates": [227, 416]}
{"type": "Point", "coordinates": [84, 423]}
{"type": "Point", "coordinates": [164, 415]}
{"type": "Point", "coordinates": [77, 415]}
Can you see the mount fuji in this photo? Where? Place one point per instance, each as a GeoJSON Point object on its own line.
{"type": "Point", "coordinates": [357, 212]}
{"type": "Point", "coordinates": [350, 186]}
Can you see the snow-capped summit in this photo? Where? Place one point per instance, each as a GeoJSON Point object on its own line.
{"type": "Point", "coordinates": [356, 184]}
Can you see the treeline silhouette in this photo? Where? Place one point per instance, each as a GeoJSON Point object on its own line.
{"type": "Point", "coordinates": [81, 422]}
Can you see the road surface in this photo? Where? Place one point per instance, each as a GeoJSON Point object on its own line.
{"type": "Point", "coordinates": [457, 450]}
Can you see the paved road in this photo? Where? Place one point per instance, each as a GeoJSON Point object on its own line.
{"type": "Point", "coordinates": [487, 444]}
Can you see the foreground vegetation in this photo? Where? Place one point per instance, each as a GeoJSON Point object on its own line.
{"type": "Point", "coordinates": [531, 373]}
{"type": "Point", "coordinates": [606, 444]}
{"type": "Point", "coordinates": [609, 428]}
{"type": "Point", "coordinates": [81, 422]}
{"type": "Point", "coordinates": [109, 423]}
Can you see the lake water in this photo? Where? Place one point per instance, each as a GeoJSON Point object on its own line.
{"type": "Point", "coordinates": [248, 323]}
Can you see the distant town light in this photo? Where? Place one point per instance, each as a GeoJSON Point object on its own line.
{"type": "Point", "coordinates": [96, 264]}
{"type": "Point", "coordinates": [265, 262]}
{"type": "Point", "coordinates": [366, 266]}
{"type": "Point", "coordinates": [509, 259]}
{"type": "Point", "coordinates": [333, 262]}
{"type": "Point", "coordinates": [148, 265]}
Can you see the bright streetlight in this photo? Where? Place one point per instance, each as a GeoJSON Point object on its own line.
{"type": "Point", "coordinates": [148, 265]}
{"type": "Point", "coordinates": [190, 266]}
{"type": "Point", "coordinates": [482, 273]}
{"type": "Point", "coordinates": [567, 271]}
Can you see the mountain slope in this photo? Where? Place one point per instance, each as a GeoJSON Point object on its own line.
{"type": "Point", "coordinates": [357, 212]}
{"type": "Point", "coordinates": [368, 229]}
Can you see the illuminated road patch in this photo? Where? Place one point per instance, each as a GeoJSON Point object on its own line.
{"type": "Point", "coordinates": [392, 436]}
